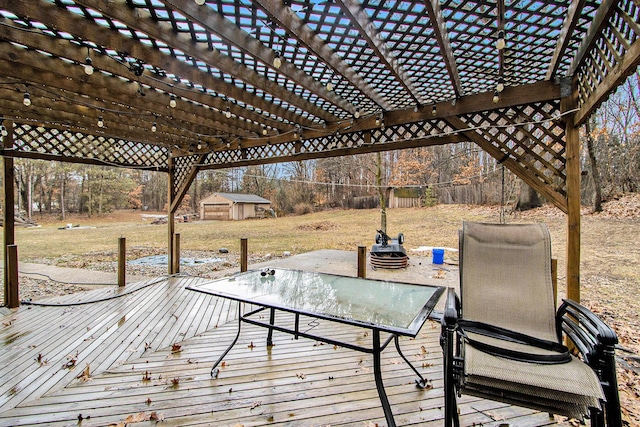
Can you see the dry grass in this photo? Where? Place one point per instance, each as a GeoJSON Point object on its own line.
{"type": "Point", "coordinates": [610, 277]}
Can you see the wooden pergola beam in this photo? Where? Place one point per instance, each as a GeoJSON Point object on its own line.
{"type": "Point", "coordinates": [118, 10]}
{"type": "Point", "coordinates": [215, 23]}
{"type": "Point", "coordinates": [282, 14]}
{"type": "Point", "coordinates": [55, 17]}
{"type": "Point", "coordinates": [442, 37]}
{"type": "Point", "coordinates": [368, 31]}
{"type": "Point", "coordinates": [571, 21]}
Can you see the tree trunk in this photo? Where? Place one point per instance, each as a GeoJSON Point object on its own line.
{"type": "Point", "coordinates": [595, 175]}
{"type": "Point", "coordinates": [528, 199]}
{"type": "Point", "coordinates": [381, 194]}
{"type": "Point", "coordinates": [62, 210]}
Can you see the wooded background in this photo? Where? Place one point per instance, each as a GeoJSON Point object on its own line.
{"type": "Point", "coordinates": [457, 173]}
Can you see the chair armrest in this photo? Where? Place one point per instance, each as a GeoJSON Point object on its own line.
{"type": "Point", "coordinates": [587, 331]}
{"type": "Point", "coordinates": [596, 342]}
{"type": "Point", "coordinates": [451, 309]}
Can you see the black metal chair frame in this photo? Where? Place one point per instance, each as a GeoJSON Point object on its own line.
{"type": "Point", "coordinates": [593, 340]}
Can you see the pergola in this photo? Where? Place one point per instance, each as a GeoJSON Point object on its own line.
{"type": "Point", "coordinates": [180, 86]}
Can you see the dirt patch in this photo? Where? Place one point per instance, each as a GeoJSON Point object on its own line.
{"type": "Point", "coordinates": [318, 226]}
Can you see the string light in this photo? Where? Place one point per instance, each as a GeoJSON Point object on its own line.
{"type": "Point", "coordinates": [199, 145]}
{"type": "Point", "coordinates": [500, 43]}
{"type": "Point", "coordinates": [200, 2]}
{"type": "Point", "coordinates": [172, 101]}
{"type": "Point", "coordinates": [154, 127]}
{"type": "Point", "coordinates": [264, 131]}
{"type": "Point", "coordinates": [27, 99]}
{"type": "Point", "coordinates": [357, 113]}
{"type": "Point", "coordinates": [3, 130]}
{"type": "Point", "coordinates": [500, 85]}
{"type": "Point", "coordinates": [88, 66]}
{"type": "Point", "coordinates": [496, 97]}
{"type": "Point", "coordinates": [277, 61]}
{"type": "Point", "coordinates": [227, 113]}
{"type": "Point", "coordinates": [434, 111]}
{"type": "Point", "coordinates": [329, 86]}
{"type": "Point", "coordinates": [100, 122]}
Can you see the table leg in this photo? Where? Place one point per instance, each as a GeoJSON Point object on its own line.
{"type": "Point", "coordinates": [272, 320]}
{"type": "Point", "coordinates": [377, 374]}
{"type": "Point", "coordinates": [214, 370]}
{"type": "Point", "coordinates": [421, 383]}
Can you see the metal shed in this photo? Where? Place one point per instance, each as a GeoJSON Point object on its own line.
{"type": "Point", "coordinates": [225, 206]}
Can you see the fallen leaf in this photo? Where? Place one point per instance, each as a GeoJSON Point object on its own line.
{"type": "Point", "coordinates": [85, 375]}
{"type": "Point", "coordinates": [175, 382]}
{"type": "Point", "coordinates": [255, 405]}
{"type": "Point", "coordinates": [175, 348]}
{"type": "Point", "coordinates": [146, 376]}
{"type": "Point", "coordinates": [137, 418]}
{"type": "Point", "coordinates": [156, 417]}
{"type": "Point", "coordinates": [148, 401]}
{"type": "Point", "coordinates": [251, 346]}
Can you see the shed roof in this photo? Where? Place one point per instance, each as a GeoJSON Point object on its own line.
{"type": "Point", "coordinates": [238, 198]}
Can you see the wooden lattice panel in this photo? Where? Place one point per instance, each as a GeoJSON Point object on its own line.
{"type": "Point", "coordinates": [613, 42]}
{"type": "Point", "coordinates": [532, 135]}
{"type": "Point", "coordinates": [391, 136]}
{"type": "Point", "coordinates": [183, 166]}
{"type": "Point", "coordinates": [70, 146]}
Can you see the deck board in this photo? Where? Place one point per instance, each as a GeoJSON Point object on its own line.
{"type": "Point", "coordinates": [294, 383]}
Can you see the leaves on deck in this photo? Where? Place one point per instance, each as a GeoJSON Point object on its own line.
{"type": "Point", "coordinates": [85, 375]}
{"type": "Point", "coordinates": [175, 348]}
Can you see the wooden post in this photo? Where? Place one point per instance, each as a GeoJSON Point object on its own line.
{"type": "Point", "coordinates": [12, 299]}
{"type": "Point", "coordinates": [176, 254]}
{"type": "Point", "coordinates": [122, 261]}
{"type": "Point", "coordinates": [572, 137]}
{"type": "Point", "coordinates": [8, 228]}
{"type": "Point", "coordinates": [243, 254]}
{"type": "Point", "coordinates": [171, 222]}
{"type": "Point", "coordinates": [362, 262]}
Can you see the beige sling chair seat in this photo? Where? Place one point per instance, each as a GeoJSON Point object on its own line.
{"type": "Point", "coordinates": [502, 338]}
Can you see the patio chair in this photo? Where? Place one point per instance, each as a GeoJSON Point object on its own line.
{"type": "Point", "coordinates": [502, 339]}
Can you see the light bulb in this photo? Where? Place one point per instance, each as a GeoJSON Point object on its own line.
{"type": "Point", "coordinates": [154, 127]}
{"type": "Point", "coordinates": [27, 99]}
{"type": "Point", "coordinates": [378, 121]}
{"type": "Point", "coordinates": [357, 113]}
{"type": "Point", "coordinates": [277, 61]}
{"type": "Point", "coordinates": [500, 43]}
{"type": "Point", "coordinates": [227, 113]}
{"type": "Point", "coordinates": [88, 66]}
{"type": "Point", "coordinates": [500, 86]}
{"type": "Point", "coordinates": [200, 2]}
{"type": "Point", "coordinates": [264, 131]}
{"type": "Point", "coordinates": [329, 86]}
{"type": "Point", "coordinates": [434, 111]}
{"type": "Point", "coordinates": [100, 122]}
{"type": "Point", "coordinates": [199, 145]}
{"type": "Point", "coordinates": [172, 101]}
{"type": "Point", "coordinates": [496, 98]}
{"type": "Point", "coordinates": [3, 130]}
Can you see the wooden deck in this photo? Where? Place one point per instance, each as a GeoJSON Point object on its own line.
{"type": "Point", "coordinates": [138, 377]}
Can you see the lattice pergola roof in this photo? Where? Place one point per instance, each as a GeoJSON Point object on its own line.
{"type": "Point", "coordinates": [271, 80]}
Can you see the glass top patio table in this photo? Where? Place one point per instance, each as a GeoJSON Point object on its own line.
{"type": "Point", "coordinates": [395, 307]}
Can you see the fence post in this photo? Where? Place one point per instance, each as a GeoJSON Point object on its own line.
{"type": "Point", "coordinates": [243, 254]}
{"type": "Point", "coordinates": [122, 261]}
{"type": "Point", "coordinates": [362, 262]}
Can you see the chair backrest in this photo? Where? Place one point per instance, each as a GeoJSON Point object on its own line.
{"type": "Point", "coordinates": [505, 277]}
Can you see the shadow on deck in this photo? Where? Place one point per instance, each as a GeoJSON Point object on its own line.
{"type": "Point", "coordinates": [117, 362]}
